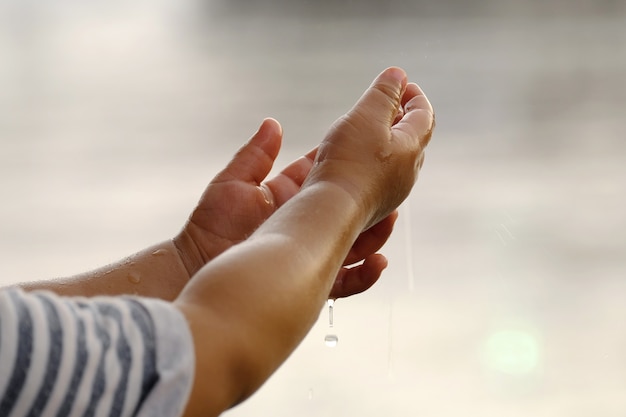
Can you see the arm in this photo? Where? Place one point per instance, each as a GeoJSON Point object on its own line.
{"type": "Point", "coordinates": [251, 306]}
{"type": "Point", "coordinates": [231, 208]}
{"type": "Point", "coordinates": [163, 270]}
{"type": "Point", "coordinates": [156, 271]}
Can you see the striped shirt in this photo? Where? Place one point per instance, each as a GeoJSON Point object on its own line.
{"type": "Point", "coordinates": [103, 356]}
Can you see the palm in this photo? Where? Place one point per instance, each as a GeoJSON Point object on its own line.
{"type": "Point", "coordinates": [239, 200]}
{"type": "Point", "coordinates": [217, 223]}
{"type": "Point", "coordinates": [236, 202]}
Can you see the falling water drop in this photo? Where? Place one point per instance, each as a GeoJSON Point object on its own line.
{"type": "Point", "coordinates": [408, 244]}
{"type": "Point", "coordinates": [330, 303]}
{"type": "Point", "coordinates": [331, 340]}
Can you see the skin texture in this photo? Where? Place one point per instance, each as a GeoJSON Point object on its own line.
{"type": "Point", "coordinates": [234, 204]}
{"type": "Point", "coordinates": [257, 258]}
{"type": "Point", "coordinates": [263, 295]}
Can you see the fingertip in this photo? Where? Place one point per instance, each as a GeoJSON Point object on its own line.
{"type": "Point", "coordinates": [410, 91]}
{"type": "Point", "coordinates": [268, 138]}
{"type": "Point", "coordinates": [416, 99]}
{"type": "Point", "coordinates": [392, 81]}
{"type": "Point", "coordinates": [312, 154]}
{"type": "Point", "coordinates": [419, 116]}
{"type": "Point", "coordinates": [272, 124]}
{"type": "Point", "coordinates": [381, 260]}
{"type": "Point", "coordinates": [395, 73]}
{"type": "Point", "coordinates": [355, 280]}
{"type": "Point", "coordinates": [381, 101]}
{"type": "Point", "coordinates": [372, 269]}
{"type": "Point", "coordinates": [394, 215]}
{"type": "Point", "coordinates": [385, 262]}
{"type": "Point", "coordinates": [378, 260]}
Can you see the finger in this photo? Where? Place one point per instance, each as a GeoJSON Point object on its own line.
{"type": "Point", "coordinates": [419, 118]}
{"type": "Point", "coordinates": [288, 182]}
{"type": "Point", "coordinates": [420, 161]}
{"type": "Point", "coordinates": [372, 239]}
{"type": "Point", "coordinates": [299, 169]}
{"type": "Point", "coordinates": [357, 279]}
{"type": "Point", "coordinates": [254, 160]}
{"type": "Point", "coordinates": [399, 115]}
{"type": "Point", "coordinates": [381, 100]}
{"type": "Point", "coordinates": [410, 91]}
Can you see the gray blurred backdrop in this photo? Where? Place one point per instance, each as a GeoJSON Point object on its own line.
{"type": "Point", "coordinates": [506, 290]}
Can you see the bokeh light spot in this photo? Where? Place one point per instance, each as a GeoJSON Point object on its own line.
{"type": "Point", "coordinates": [512, 352]}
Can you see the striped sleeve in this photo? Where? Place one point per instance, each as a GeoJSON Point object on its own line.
{"type": "Point", "coordinates": [106, 356]}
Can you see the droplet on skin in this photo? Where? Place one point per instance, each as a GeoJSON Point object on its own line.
{"type": "Point", "coordinates": [267, 194]}
{"type": "Point", "coordinates": [331, 340]}
{"type": "Point", "coordinates": [383, 155]}
{"type": "Point", "coordinates": [134, 278]}
{"type": "Point", "coordinates": [160, 252]}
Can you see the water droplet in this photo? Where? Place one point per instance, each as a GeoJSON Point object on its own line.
{"type": "Point", "coordinates": [331, 340]}
{"type": "Point", "coordinates": [159, 252]}
{"type": "Point", "coordinates": [330, 303]}
{"type": "Point", "coordinates": [310, 394]}
{"type": "Point", "coordinates": [383, 155]}
{"type": "Point", "coordinates": [267, 194]}
{"type": "Point", "coordinates": [134, 277]}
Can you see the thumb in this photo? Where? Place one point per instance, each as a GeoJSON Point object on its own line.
{"type": "Point", "coordinates": [254, 160]}
{"type": "Point", "coordinates": [381, 100]}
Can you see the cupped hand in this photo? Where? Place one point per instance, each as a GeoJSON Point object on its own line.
{"type": "Point", "coordinates": [238, 200]}
{"type": "Point", "coordinates": [375, 151]}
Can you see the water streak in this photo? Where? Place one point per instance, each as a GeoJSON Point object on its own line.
{"type": "Point", "coordinates": [331, 340]}
{"type": "Point", "coordinates": [408, 244]}
{"type": "Point", "coordinates": [330, 303]}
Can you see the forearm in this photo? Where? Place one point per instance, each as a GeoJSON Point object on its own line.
{"type": "Point", "coordinates": [156, 271]}
{"type": "Point", "coordinates": [269, 289]}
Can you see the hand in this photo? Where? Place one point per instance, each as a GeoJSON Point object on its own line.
{"type": "Point", "coordinates": [376, 150]}
{"type": "Point", "coordinates": [356, 279]}
{"type": "Point", "coordinates": [238, 200]}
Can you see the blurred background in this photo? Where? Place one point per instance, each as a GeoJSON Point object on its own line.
{"type": "Point", "coordinates": [505, 294]}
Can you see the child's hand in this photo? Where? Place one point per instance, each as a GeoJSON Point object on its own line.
{"type": "Point", "coordinates": [238, 200]}
{"type": "Point", "coordinates": [375, 151]}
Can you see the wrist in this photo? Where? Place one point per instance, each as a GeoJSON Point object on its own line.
{"type": "Point", "coordinates": [332, 208]}
{"type": "Point", "coordinates": [188, 253]}
{"type": "Point", "coordinates": [333, 177]}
